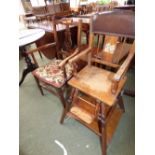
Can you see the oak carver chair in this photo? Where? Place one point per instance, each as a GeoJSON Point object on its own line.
{"type": "Point", "coordinates": [97, 89]}
{"type": "Point", "coordinates": [54, 75]}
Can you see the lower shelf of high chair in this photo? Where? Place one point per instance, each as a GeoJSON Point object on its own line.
{"type": "Point", "coordinates": [110, 127]}
{"type": "Point", "coordinates": [112, 124]}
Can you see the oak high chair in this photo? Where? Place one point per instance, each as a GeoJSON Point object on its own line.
{"type": "Point", "coordinates": [54, 75]}
{"type": "Point", "coordinates": [97, 90]}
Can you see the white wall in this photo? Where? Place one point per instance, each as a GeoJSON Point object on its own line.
{"type": "Point", "coordinates": [37, 2]}
{"type": "Point", "coordinates": [120, 2]}
{"type": "Point", "coordinates": [21, 8]}
{"type": "Point", "coordinates": [74, 3]}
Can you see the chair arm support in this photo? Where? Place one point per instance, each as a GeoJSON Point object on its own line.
{"type": "Point", "coordinates": [82, 53]}
{"type": "Point", "coordinates": [62, 64]}
{"type": "Point", "coordinates": [123, 68]}
{"type": "Point", "coordinates": [41, 47]}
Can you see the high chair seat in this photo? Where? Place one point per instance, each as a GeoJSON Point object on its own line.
{"type": "Point", "coordinates": [96, 82]}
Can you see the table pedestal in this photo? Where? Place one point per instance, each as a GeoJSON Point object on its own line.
{"type": "Point", "coordinates": [30, 65]}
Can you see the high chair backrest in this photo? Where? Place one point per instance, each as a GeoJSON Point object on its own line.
{"type": "Point", "coordinates": [112, 29]}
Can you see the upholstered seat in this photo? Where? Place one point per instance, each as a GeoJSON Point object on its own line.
{"type": "Point", "coordinates": [52, 74]}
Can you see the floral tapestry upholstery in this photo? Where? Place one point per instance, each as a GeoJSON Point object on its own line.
{"type": "Point", "coordinates": [52, 74]}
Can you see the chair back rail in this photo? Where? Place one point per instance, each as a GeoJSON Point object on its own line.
{"type": "Point", "coordinates": [112, 25]}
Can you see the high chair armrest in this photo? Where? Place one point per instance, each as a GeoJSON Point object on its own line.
{"type": "Point", "coordinates": [41, 48]}
{"type": "Point", "coordinates": [123, 68]}
{"type": "Point", "coordinates": [81, 54]}
{"type": "Point", "coordinates": [62, 64]}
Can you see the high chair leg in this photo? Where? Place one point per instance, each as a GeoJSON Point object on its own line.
{"type": "Point", "coordinates": [102, 128]}
{"type": "Point", "coordinates": [40, 88]}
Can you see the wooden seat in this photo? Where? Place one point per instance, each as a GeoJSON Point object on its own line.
{"type": "Point", "coordinates": [97, 89]}
{"type": "Point", "coordinates": [88, 79]}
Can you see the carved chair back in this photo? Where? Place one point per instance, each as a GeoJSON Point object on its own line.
{"type": "Point", "coordinates": [111, 46]}
{"type": "Point", "coordinates": [113, 52]}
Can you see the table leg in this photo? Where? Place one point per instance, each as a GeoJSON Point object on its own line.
{"type": "Point", "coordinates": [30, 65]}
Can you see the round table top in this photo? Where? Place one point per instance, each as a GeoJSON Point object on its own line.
{"type": "Point", "coordinates": [28, 36]}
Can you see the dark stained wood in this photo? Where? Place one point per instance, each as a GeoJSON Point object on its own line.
{"type": "Point", "coordinates": [25, 40]}
{"type": "Point", "coordinates": [49, 38]}
{"type": "Point", "coordinates": [113, 26]}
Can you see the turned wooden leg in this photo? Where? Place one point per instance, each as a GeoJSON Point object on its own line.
{"type": "Point", "coordinates": [102, 128]}
{"type": "Point", "coordinates": [62, 99]}
{"type": "Point", "coordinates": [40, 55]}
{"type": "Point", "coordinates": [40, 88]}
{"type": "Point", "coordinates": [87, 37]}
{"type": "Point", "coordinates": [70, 98]}
{"type": "Point", "coordinates": [61, 96]}
{"type": "Point", "coordinates": [120, 103]}
{"type": "Point", "coordinates": [63, 115]}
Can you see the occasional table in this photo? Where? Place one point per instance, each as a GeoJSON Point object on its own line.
{"type": "Point", "coordinates": [27, 37]}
